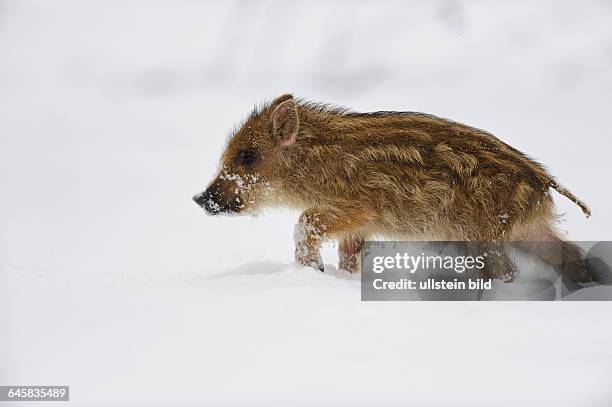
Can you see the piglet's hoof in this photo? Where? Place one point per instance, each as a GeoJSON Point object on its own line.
{"type": "Point", "coordinates": [313, 260]}
{"type": "Point", "coordinates": [315, 265]}
{"type": "Point", "coordinates": [319, 266]}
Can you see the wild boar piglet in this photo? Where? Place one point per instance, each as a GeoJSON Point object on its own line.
{"type": "Point", "coordinates": [400, 175]}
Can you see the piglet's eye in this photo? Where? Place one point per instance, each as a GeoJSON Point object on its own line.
{"type": "Point", "coordinates": [247, 157]}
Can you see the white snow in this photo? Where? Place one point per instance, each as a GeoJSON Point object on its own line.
{"type": "Point", "coordinates": [113, 114]}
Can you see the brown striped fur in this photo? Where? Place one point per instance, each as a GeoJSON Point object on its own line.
{"type": "Point", "coordinates": [392, 174]}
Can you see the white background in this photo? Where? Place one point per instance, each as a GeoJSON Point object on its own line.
{"type": "Point", "coordinates": [114, 113]}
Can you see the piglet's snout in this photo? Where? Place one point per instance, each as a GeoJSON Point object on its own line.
{"type": "Point", "coordinates": [215, 201]}
{"type": "Point", "coordinates": [207, 201]}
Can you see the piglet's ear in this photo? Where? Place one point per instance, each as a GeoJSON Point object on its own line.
{"type": "Point", "coordinates": [281, 99]}
{"type": "Point", "coordinates": [285, 123]}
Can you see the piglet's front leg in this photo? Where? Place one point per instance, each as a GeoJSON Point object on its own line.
{"type": "Point", "coordinates": [315, 225]}
{"type": "Point", "coordinates": [349, 253]}
{"type": "Point", "coordinates": [308, 236]}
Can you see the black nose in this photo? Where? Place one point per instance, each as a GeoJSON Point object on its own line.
{"type": "Point", "coordinates": [206, 201]}
{"type": "Point", "coordinates": [199, 199]}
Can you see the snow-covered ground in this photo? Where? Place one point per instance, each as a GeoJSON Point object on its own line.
{"type": "Point", "coordinates": [113, 114]}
